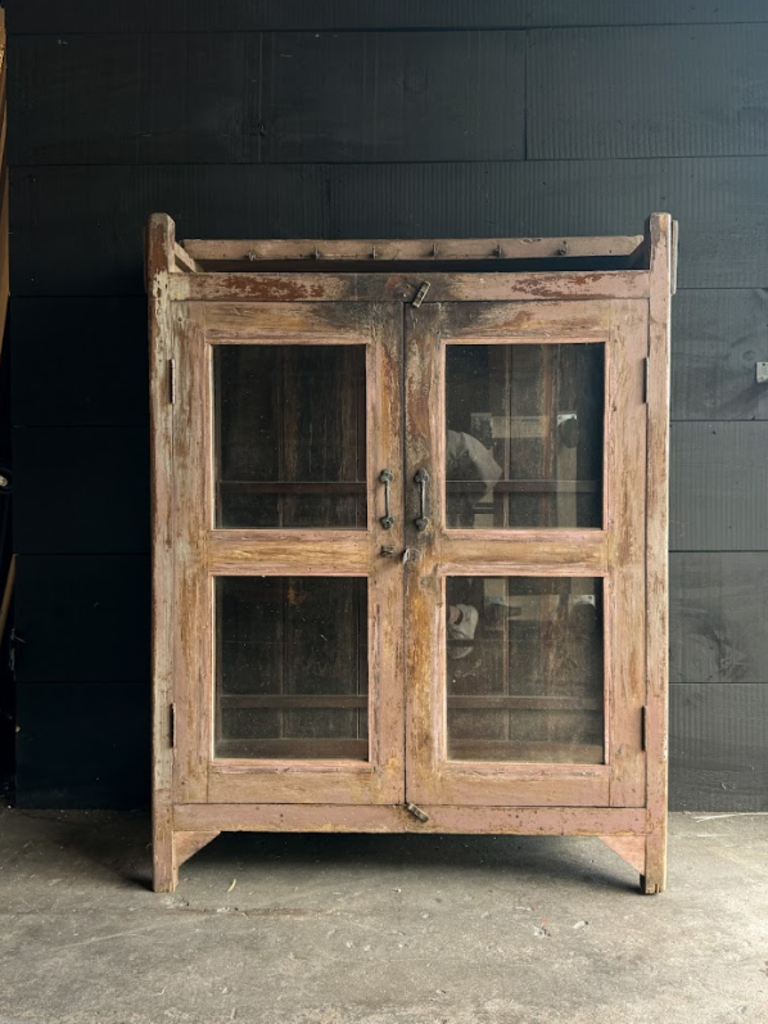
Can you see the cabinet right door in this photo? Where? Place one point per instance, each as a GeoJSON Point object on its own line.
{"type": "Point", "coordinates": [525, 449]}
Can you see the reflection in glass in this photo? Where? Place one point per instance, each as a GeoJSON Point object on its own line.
{"type": "Point", "coordinates": [525, 669]}
{"type": "Point", "coordinates": [290, 436]}
{"type": "Point", "coordinates": [524, 435]}
{"type": "Point", "coordinates": [292, 667]}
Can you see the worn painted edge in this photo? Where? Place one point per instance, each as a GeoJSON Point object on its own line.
{"type": "Point", "coordinates": [409, 249]}
{"type": "Point", "coordinates": [550, 821]}
{"type": "Point", "coordinates": [160, 241]}
{"type": "Point", "coordinates": [657, 531]}
{"type": "Point", "coordinates": [473, 286]}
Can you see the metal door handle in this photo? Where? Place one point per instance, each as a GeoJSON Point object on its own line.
{"type": "Point", "coordinates": [386, 477]}
{"type": "Point", "coordinates": [422, 479]}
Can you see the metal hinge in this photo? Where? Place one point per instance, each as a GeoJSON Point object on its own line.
{"type": "Point", "coordinates": [644, 728]}
{"type": "Point", "coordinates": [172, 725]}
{"type": "Point", "coordinates": [420, 295]}
{"type": "Point", "coordinates": [416, 812]}
{"type": "Point", "coordinates": [646, 379]}
{"type": "Point", "coordinates": [171, 381]}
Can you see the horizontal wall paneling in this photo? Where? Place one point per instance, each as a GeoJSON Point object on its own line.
{"type": "Point", "coordinates": [277, 97]}
{"type": "Point", "coordinates": [82, 618]}
{"type": "Point", "coordinates": [106, 208]}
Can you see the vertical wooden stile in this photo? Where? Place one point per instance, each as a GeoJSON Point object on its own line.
{"type": "Point", "coordinates": [662, 260]}
{"type": "Point", "coordinates": [160, 241]}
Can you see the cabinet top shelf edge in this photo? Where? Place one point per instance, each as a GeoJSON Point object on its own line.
{"type": "Point", "coordinates": [603, 252]}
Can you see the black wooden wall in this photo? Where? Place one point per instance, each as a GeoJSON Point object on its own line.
{"type": "Point", "coordinates": [383, 118]}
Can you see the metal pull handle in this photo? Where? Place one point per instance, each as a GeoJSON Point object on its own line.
{"type": "Point", "coordinates": [422, 479]}
{"type": "Point", "coordinates": [386, 477]}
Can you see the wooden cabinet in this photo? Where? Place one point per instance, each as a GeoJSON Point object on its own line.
{"type": "Point", "coordinates": [410, 538]}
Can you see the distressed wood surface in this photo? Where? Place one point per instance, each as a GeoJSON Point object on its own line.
{"type": "Point", "coordinates": [454, 287]}
{"type": "Point", "coordinates": [625, 472]}
{"type": "Point", "coordinates": [191, 594]}
{"type": "Point", "coordinates": [315, 552]}
{"type": "Point", "coordinates": [465, 552]}
{"type": "Point", "coordinates": [719, 617]}
{"type": "Point", "coordinates": [620, 552]}
{"type": "Point", "coordinates": [719, 336]}
{"type": "Point", "coordinates": [406, 249]}
{"type": "Point", "coordinates": [66, 605]}
{"type": "Point", "coordinates": [158, 259]}
{"type": "Point", "coordinates": [707, 95]}
{"type": "Point", "coordinates": [469, 820]}
{"type": "Point", "coordinates": [340, 15]}
{"type": "Point", "coordinates": [719, 481]}
{"type": "Point", "coordinates": [286, 323]}
{"type": "Point", "coordinates": [657, 541]}
{"type": "Point", "coordinates": [527, 199]}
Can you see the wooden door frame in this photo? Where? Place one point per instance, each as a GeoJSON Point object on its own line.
{"type": "Point", "coordinates": [205, 553]}
{"type": "Point", "coordinates": [440, 552]}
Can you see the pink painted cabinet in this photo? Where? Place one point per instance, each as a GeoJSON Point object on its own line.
{"type": "Point", "coordinates": [409, 538]}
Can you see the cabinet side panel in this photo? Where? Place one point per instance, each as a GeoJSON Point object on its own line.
{"type": "Point", "coordinates": [657, 510]}
{"type": "Point", "coordinates": [159, 246]}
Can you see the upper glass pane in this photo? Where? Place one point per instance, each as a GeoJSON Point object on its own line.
{"type": "Point", "coordinates": [524, 436]}
{"type": "Point", "coordinates": [290, 436]}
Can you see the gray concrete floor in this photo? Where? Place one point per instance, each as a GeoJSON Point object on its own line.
{"type": "Point", "coordinates": [379, 929]}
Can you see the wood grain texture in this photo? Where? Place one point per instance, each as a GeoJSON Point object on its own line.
{"type": "Point", "coordinates": [432, 251]}
{"type": "Point", "coordinates": [81, 489]}
{"type": "Point", "coordinates": [718, 754]}
{"type": "Point", "coordinates": [719, 480]}
{"type": "Point", "coordinates": [707, 95]}
{"type": "Point", "coordinates": [79, 362]}
{"type": "Point", "coordinates": [339, 15]}
{"type": "Point", "coordinates": [268, 97]}
{"type": "Point", "coordinates": [82, 618]}
{"type": "Point", "coordinates": [106, 208]}
{"type": "Point", "coordinates": [663, 248]}
{"type": "Point", "coordinates": [82, 745]}
{"type": "Point", "coordinates": [719, 617]}
{"type": "Point", "coordinates": [160, 243]}
{"type": "Point", "coordinates": [444, 287]}
{"type": "Point", "coordinates": [468, 820]}
{"type": "Point", "coordinates": [719, 335]}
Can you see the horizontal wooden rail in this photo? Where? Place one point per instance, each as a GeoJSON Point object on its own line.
{"type": "Point", "coordinates": [389, 249]}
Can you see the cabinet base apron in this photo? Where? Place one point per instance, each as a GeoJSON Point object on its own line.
{"type": "Point", "coordinates": [629, 832]}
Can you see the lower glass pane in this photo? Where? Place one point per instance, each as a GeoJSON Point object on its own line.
{"type": "Point", "coordinates": [292, 667]}
{"type": "Point", "coordinates": [525, 669]}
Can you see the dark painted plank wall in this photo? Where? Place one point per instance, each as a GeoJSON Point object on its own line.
{"type": "Point", "coordinates": [343, 119]}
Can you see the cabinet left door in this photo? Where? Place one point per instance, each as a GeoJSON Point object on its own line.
{"type": "Point", "coordinates": [286, 594]}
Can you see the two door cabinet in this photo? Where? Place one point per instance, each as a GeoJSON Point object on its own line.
{"type": "Point", "coordinates": [409, 533]}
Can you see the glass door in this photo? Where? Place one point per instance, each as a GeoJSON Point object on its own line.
{"type": "Point", "coordinates": [289, 667]}
{"type": "Point", "coordinates": [525, 496]}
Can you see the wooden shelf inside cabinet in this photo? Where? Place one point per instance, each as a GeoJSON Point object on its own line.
{"type": "Point", "coordinates": [409, 528]}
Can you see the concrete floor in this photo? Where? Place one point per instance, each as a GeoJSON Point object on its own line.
{"type": "Point", "coordinates": [336, 929]}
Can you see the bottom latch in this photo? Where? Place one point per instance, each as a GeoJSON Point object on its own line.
{"type": "Point", "coordinates": [416, 812]}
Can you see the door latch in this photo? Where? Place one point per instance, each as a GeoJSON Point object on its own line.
{"type": "Point", "coordinates": [416, 811]}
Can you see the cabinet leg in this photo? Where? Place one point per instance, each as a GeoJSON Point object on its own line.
{"type": "Point", "coordinates": [165, 875]}
{"type": "Point", "coordinates": [646, 854]}
{"type": "Point", "coordinates": [654, 879]}
{"type": "Point", "coordinates": [171, 850]}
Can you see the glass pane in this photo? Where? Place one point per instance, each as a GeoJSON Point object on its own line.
{"type": "Point", "coordinates": [525, 669]}
{"type": "Point", "coordinates": [524, 445]}
{"type": "Point", "coordinates": [292, 667]}
{"type": "Point", "coordinates": [290, 436]}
